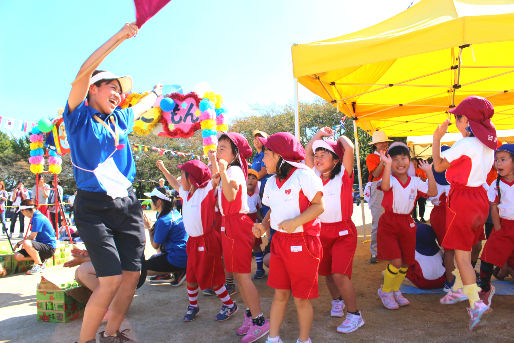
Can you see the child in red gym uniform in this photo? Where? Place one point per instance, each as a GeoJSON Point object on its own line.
{"type": "Point", "coordinates": [467, 164]}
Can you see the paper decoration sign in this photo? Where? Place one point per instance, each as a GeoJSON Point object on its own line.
{"type": "Point", "coordinates": [180, 115]}
{"type": "Point", "coordinates": [60, 138]}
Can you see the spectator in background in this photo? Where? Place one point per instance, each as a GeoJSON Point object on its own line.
{"type": "Point", "coordinates": [3, 202]}
{"type": "Point", "coordinates": [259, 166]}
{"type": "Point", "coordinates": [414, 170]}
{"type": "Point", "coordinates": [52, 200]}
{"type": "Point", "coordinates": [42, 199]}
{"type": "Point", "coordinates": [19, 194]}
{"type": "Point", "coordinates": [161, 184]}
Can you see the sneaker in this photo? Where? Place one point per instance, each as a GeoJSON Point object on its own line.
{"type": "Point", "coordinates": [373, 260]}
{"type": "Point", "coordinates": [447, 287]}
{"type": "Point", "coordinates": [337, 309]}
{"type": "Point", "coordinates": [351, 323]}
{"type": "Point", "coordinates": [226, 312]}
{"type": "Point", "coordinates": [487, 297]}
{"type": "Point", "coordinates": [259, 274]}
{"type": "Point", "coordinates": [453, 297]}
{"type": "Point", "coordinates": [191, 313]}
{"type": "Point", "coordinates": [388, 299]}
{"type": "Point", "coordinates": [21, 235]}
{"type": "Point", "coordinates": [36, 269]}
{"type": "Point", "coordinates": [307, 341]}
{"type": "Point", "coordinates": [400, 299]}
{"type": "Point", "coordinates": [243, 329]}
{"type": "Point", "coordinates": [255, 332]}
{"type": "Point", "coordinates": [274, 341]}
{"type": "Point", "coordinates": [476, 314]}
{"type": "Point", "coordinates": [208, 292]}
{"type": "Point", "coordinates": [179, 278]}
{"type": "Point", "coordinates": [121, 337]}
{"type": "Point", "coordinates": [231, 288]}
{"type": "Point", "coordinates": [161, 278]}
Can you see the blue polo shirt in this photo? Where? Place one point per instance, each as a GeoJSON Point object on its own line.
{"type": "Point", "coordinates": [169, 232]}
{"type": "Point", "coordinates": [257, 163]}
{"type": "Point", "coordinates": [91, 143]}
{"type": "Point", "coordinates": [44, 229]}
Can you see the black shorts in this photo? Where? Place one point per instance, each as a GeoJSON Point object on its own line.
{"type": "Point", "coordinates": [45, 251]}
{"type": "Point", "coordinates": [112, 230]}
{"type": "Point", "coordinates": [159, 263]}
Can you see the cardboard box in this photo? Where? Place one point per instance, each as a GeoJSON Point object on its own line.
{"type": "Point", "coordinates": [59, 301]}
{"type": "Point", "coordinates": [23, 266]}
{"type": "Point", "coordinates": [8, 263]}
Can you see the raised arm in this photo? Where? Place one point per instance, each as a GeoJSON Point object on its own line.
{"type": "Point", "coordinates": [386, 177]}
{"type": "Point", "coordinates": [432, 186]}
{"type": "Point", "coordinates": [144, 104]}
{"type": "Point", "coordinates": [348, 153]}
{"type": "Point", "coordinates": [170, 178]}
{"type": "Point", "coordinates": [440, 164]}
{"type": "Point", "coordinates": [80, 86]}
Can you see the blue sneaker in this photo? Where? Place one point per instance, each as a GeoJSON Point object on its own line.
{"type": "Point", "coordinates": [226, 312]}
{"type": "Point", "coordinates": [476, 313]}
{"type": "Point", "coordinates": [191, 313]}
{"type": "Point", "coordinates": [259, 274]}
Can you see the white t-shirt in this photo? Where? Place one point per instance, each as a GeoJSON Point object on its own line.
{"type": "Point", "coordinates": [401, 198]}
{"type": "Point", "coordinates": [254, 202]}
{"type": "Point", "coordinates": [431, 266]}
{"type": "Point", "coordinates": [506, 202]}
{"type": "Point", "coordinates": [441, 190]}
{"type": "Point", "coordinates": [470, 162]}
{"type": "Point", "coordinates": [198, 211]}
{"type": "Point", "coordinates": [289, 198]}
{"type": "Point", "coordinates": [240, 204]}
{"type": "Point", "coordinates": [337, 196]}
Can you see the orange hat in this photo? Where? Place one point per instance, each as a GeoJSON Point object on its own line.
{"type": "Point", "coordinates": [254, 173]}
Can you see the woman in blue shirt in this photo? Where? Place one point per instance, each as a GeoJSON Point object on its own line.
{"type": "Point", "coordinates": [108, 215]}
{"type": "Point", "coordinates": [167, 235]}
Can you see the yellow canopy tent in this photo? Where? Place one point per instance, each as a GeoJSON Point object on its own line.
{"type": "Point", "coordinates": [403, 74]}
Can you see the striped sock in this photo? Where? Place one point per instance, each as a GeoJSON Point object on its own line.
{"type": "Point", "coordinates": [222, 293]}
{"type": "Point", "coordinates": [193, 295]}
{"type": "Point", "coordinates": [259, 257]}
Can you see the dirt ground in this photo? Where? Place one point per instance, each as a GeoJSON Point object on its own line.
{"type": "Point", "coordinates": [157, 310]}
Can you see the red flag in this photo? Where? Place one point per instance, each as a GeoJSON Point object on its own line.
{"type": "Point", "coordinates": [145, 9]}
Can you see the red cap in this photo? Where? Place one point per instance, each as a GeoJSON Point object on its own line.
{"type": "Point", "coordinates": [479, 112]}
{"type": "Point", "coordinates": [199, 173]}
{"type": "Point", "coordinates": [245, 151]}
{"type": "Point", "coordinates": [286, 145]}
{"type": "Point", "coordinates": [329, 145]}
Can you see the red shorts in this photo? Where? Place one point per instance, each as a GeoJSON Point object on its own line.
{"type": "Point", "coordinates": [500, 245]}
{"type": "Point", "coordinates": [237, 240]}
{"type": "Point", "coordinates": [396, 237]}
{"type": "Point", "coordinates": [415, 275]}
{"type": "Point", "coordinates": [339, 242]}
{"type": "Point", "coordinates": [294, 264]}
{"type": "Point", "coordinates": [217, 221]}
{"type": "Point", "coordinates": [467, 211]}
{"type": "Point", "coordinates": [438, 221]}
{"type": "Point", "coordinates": [204, 263]}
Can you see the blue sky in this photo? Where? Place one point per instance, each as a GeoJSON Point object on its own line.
{"type": "Point", "coordinates": [242, 48]}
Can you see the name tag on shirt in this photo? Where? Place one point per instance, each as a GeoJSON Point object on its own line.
{"type": "Point", "coordinates": [201, 248]}
{"type": "Point", "coordinates": [412, 225]}
{"type": "Point", "coordinates": [296, 248]}
{"type": "Point", "coordinates": [343, 233]}
{"type": "Point", "coordinates": [223, 228]}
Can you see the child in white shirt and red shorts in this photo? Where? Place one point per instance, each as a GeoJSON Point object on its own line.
{"type": "Point", "coordinates": [254, 212]}
{"type": "Point", "coordinates": [333, 162]}
{"type": "Point", "coordinates": [204, 264]}
{"type": "Point", "coordinates": [294, 195]}
{"type": "Point", "coordinates": [396, 236]}
{"type": "Point", "coordinates": [467, 164]}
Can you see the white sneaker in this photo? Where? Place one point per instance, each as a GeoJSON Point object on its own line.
{"type": "Point", "coordinates": [337, 308]}
{"type": "Point", "coordinates": [21, 235]}
{"type": "Point", "coordinates": [351, 323]}
{"type": "Point", "coordinates": [36, 269]}
{"type": "Point", "coordinates": [274, 340]}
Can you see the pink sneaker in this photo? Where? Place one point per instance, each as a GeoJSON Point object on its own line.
{"type": "Point", "coordinates": [255, 332]}
{"type": "Point", "coordinates": [247, 323]}
{"type": "Point", "coordinates": [453, 297]}
{"type": "Point", "coordinates": [476, 314]}
{"type": "Point", "coordinates": [388, 299]}
{"type": "Point", "coordinates": [400, 299]}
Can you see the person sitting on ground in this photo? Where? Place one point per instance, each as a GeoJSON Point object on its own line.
{"type": "Point", "coordinates": [40, 244]}
{"type": "Point", "coordinates": [167, 232]}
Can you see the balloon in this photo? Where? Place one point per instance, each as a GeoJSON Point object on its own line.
{"type": "Point", "coordinates": [222, 128]}
{"type": "Point", "coordinates": [167, 105]}
{"type": "Point", "coordinates": [53, 153]}
{"type": "Point", "coordinates": [205, 104]}
{"type": "Point", "coordinates": [35, 131]}
{"type": "Point", "coordinates": [36, 145]}
{"type": "Point", "coordinates": [36, 168]}
{"type": "Point", "coordinates": [208, 124]}
{"type": "Point", "coordinates": [211, 140]}
{"type": "Point", "coordinates": [36, 159]}
{"type": "Point", "coordinates": [54, 160]}
{"type": "Point", "coordinates": [45, 125]}
{"type": "Point", "coordinates": [37, 152]}
{"type": "Point", "coordinates": [208, 133]}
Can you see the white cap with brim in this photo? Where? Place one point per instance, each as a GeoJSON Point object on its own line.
{"type": "Point", "coordinates": [125, 81]}
{"type": "Point", "coordinates": [22, 207]}
{"type": "Point", "coordinates": [156, 193]}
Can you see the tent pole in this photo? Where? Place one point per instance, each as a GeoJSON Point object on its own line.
{"type": "Point", "coordinates": [296, 110]}
{"type": "Point", "coordinates": [357, 154]}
